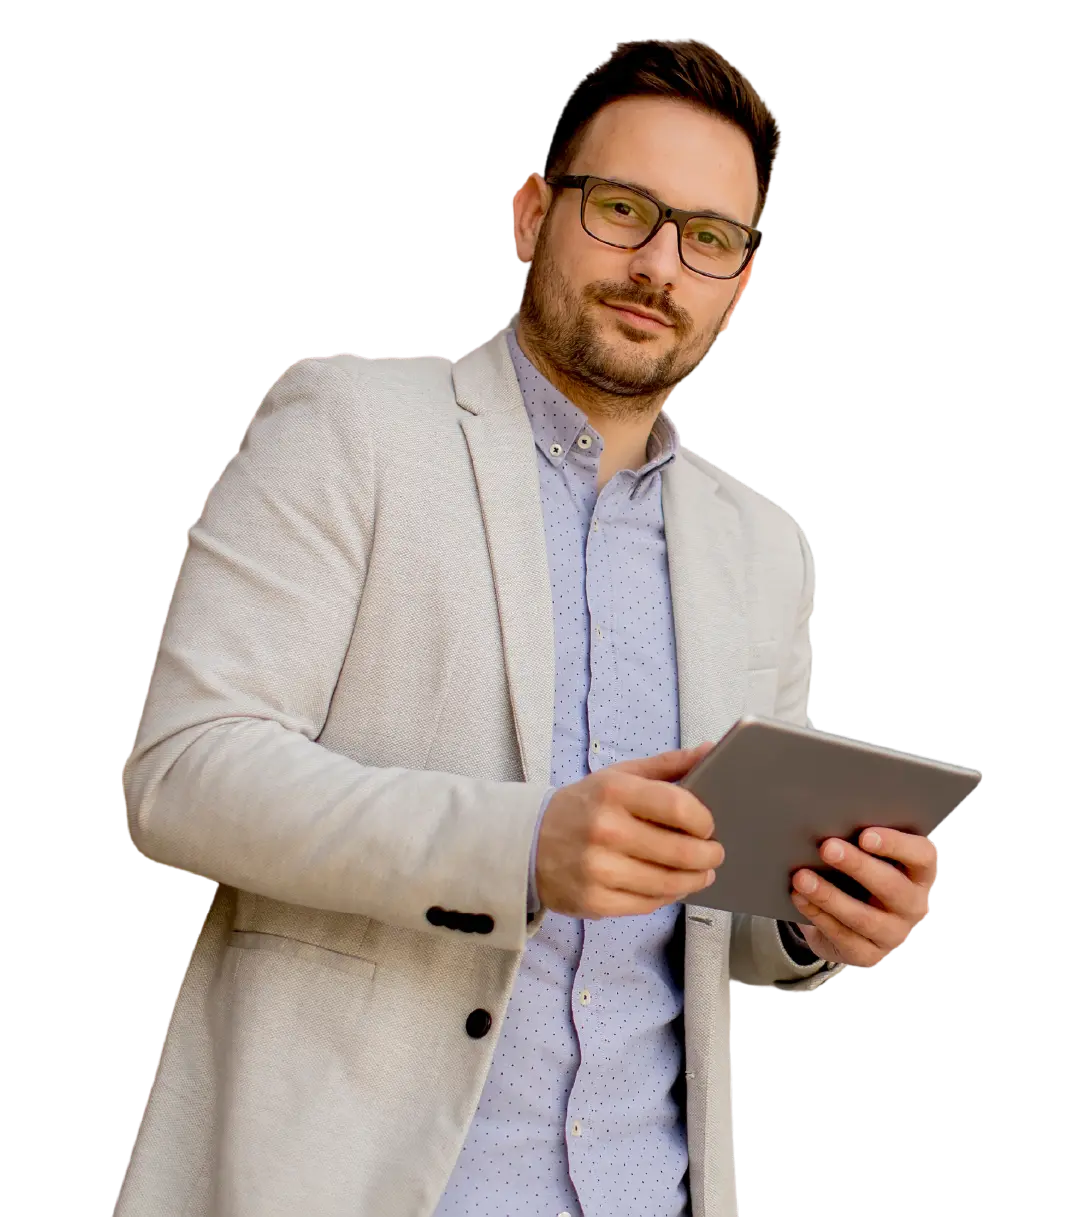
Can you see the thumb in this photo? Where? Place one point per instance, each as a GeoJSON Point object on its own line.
{"type": "Point", "coordinates": [665, 766]}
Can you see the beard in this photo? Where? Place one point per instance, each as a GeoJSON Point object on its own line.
{"type": "Point", "coordinates": [565, 329]}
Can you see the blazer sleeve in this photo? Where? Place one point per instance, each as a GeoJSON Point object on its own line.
{"type": "Point", "coordinates": [226, 777]}
{"type": "Point", "coordinates": [758, 953]}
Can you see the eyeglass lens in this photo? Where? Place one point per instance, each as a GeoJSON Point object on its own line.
{"type": "Point", "coordinates": [620, 216]}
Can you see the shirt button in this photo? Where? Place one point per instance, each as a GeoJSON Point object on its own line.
{"type": "Point", "coordinates": [555, 450]}
{"type": "Point", "coordinates": [564, 1215]}
{"type": "Point", "coordinates": [575, 1128]}
{"type": "Point", "coordinates": [595, 525]}
{"type": "Point", "coordinates": [599, 632]}
{"type": "Point", "coordinates": [596, 745]}
{"type": "Point", "coordinates": [584, 441]}
{"type": "Point", "coordinates": [585, 997]}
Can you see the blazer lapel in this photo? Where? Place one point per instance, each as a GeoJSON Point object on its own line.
{"type": "Point", "coordinates": [705, 563]}
{"type": "Point", "coordinates": [503, 454]}
{"type": "Point", "coordinates": [708, 593]}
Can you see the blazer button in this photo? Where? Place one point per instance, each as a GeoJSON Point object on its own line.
{"type": "Point", "coordinates": [437, 915]}
{"type": "Point", "coordinates": [478, 1024]}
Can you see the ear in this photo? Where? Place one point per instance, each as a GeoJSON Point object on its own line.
{"type": "Point", "coordinates": [531, 204]}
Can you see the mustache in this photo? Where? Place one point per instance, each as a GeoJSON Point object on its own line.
{"type": "Point", "coordinates": [619, 292]}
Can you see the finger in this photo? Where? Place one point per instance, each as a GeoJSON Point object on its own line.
{"type": "Point", "coordinates": [918, 855]}
{"type": "Point", "coordinates": [822, 946]}
{"type": "Point", "coordinates": [667, 804]}
{"type": "Point", "coordinates": [849, 946]}
{"type": "Point", "coordinates": [892, 887]}
{"type": "Point", "coordinates": [882, 927]}
{"type": "Point", "coordinates": [664, 846]}
{"type": "Point", "coordinates": [664, 766]}
{"type": "Point", "coordinates": [617, 872]}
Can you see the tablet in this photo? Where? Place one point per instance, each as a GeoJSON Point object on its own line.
{"type": "Point", "coordinates": [776, 791]}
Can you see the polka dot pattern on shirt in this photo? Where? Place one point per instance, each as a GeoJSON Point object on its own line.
{"type": "Point", "coordinates": [577, 1114]}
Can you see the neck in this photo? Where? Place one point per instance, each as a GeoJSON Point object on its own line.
{"type": "Point", "coordinates": [623, 423]}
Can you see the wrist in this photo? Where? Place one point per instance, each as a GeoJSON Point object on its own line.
{"type": "Point", "coordinates": [794, 943]}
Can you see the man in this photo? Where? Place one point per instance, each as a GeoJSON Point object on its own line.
{"type": "Point", "coordinates": [443, 639]}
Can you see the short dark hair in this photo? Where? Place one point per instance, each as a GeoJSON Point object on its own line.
{"type": "Point", "coordinates": [687, 71]}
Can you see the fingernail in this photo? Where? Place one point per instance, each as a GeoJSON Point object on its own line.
{"type": "Point", "coordinates": [800, 901]}
{"type": "Point", "coordinates": [871, 841]}
{"type": "Point", "coordinates": [832, 852]}
{"type": "Point", "coordinates": [712, 876]}
{"type": "Point", "coordinates": [806, 882]}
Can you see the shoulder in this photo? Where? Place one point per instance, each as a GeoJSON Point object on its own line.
{"type": "Point", "coordinates": [354, 377]}
{"type": "Point", "coordinates": [765, 520]}
{"type": "Point", "coordinates": [347, 399]}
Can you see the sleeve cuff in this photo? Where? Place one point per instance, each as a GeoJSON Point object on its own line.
{"type": "Point", "coordinates": [794, 943]}
{"type": "Point", "coordinates": [532, 905]}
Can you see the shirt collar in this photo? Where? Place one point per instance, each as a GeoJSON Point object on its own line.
{"type": "Point", "coordinates": [558, 424]}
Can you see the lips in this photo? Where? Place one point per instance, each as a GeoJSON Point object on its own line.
{"type": "Point", "coordinates": [648, 319]}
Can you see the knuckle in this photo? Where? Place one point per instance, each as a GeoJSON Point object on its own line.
{"type": "Point", "coordinates": [680, 806]}
{"type": "Point", "coordinates": [617, 786]}
{"type": "Point", "coordinates": [593, 858]}
{"type": "Point", "coordinates": [694, 811]}
{"type": "Point", "coordinates": [679, 883]}
{"type": "Point", "coordinates": [683, 855]}
{"type": "Point", "coordinates": [592, 893]}
{"type": "Point", "coordinates": [703, 855]}
{"type": "Point", "coordinates": [604, 825]}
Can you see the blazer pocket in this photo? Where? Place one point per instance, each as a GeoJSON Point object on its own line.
{"type": "Point", "coordinates": [294, 948]}
{"type": "Point", "coordinates": [762, 677]}
{"type": "Point", "coordinates": [291, 1057]}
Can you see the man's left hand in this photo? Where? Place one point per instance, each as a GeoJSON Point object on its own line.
{"type": "Point", "coordinates": [847, 930]}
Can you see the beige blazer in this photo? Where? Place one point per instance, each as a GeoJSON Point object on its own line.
{"type": "Point", "coordinates": [348, 725]}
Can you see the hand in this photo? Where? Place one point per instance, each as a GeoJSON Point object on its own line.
{"type": "Point", "coordinates": [625, 840]}
{"type": "Point", "coordinates": [847, 930]}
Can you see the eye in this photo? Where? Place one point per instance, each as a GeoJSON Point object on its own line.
{"type": "Point", "coordinates": [622, 209]}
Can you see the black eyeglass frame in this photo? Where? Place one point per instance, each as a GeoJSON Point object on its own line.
{"type": "Point", "coordinates": [586, 182]}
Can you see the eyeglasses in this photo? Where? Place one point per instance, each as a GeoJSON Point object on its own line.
{"type": "Point", "coordinates": [629, 218]}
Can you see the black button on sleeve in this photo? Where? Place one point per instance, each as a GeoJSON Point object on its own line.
{"type": "Point", "coordinates": [478, 1024]}
{"type": "Point", "coordinates": [436, 915]}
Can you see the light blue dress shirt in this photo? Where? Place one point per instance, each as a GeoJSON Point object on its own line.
{"type": "Point", "coordinates": [577, 1115]}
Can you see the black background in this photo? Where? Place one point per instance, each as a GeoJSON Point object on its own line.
{"type": "Point", "coordinates": [840, 390]}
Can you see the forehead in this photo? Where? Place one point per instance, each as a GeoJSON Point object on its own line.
{"type": "Point", "coordinates": [687, 156]}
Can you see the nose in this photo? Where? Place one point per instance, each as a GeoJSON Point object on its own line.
{"type": "Point", "coordinates": [657, 264]}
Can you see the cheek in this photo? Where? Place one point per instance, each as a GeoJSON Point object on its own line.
{"type": "Point", "coordinates": [705, 331]}
{"type": "Point", "coordinates": [566, 261]}
{"type": "Point", "coordinates": [722, 308]}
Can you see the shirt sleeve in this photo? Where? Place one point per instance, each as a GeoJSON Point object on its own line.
{"type": "Point", "coordinates": [794, 943]}
{"type": "Point", "coordinates": [532, 906]}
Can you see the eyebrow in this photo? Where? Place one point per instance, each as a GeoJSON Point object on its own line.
{"type": "Point", "coordinates": [698, 211]}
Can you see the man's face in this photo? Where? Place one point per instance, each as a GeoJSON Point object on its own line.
{"type": "Point", "coordinates": [688, 159]}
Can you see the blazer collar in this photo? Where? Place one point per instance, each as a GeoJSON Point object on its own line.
{"type": "Point", "coordinates": [705, 561]}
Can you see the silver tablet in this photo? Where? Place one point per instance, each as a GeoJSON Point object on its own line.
{"type": "Point", "coordinates": [776, 791]}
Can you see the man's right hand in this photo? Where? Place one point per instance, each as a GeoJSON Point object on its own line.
{"type": "Point", "coordinates": [626, 840]}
